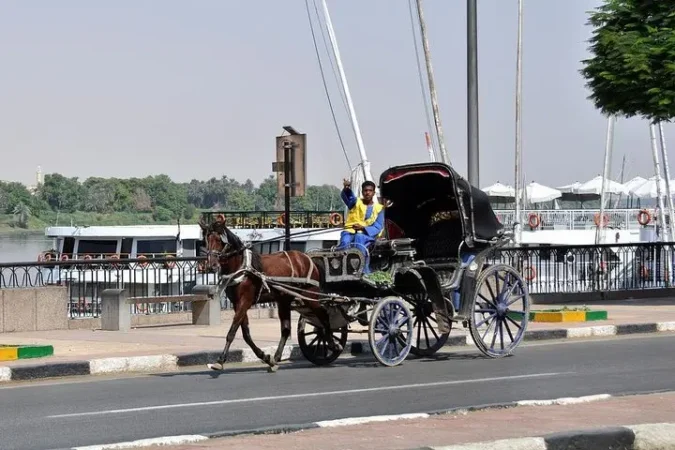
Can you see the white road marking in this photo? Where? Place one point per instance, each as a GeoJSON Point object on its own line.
{"type": "Point", "coordinates": [565, 400]}
{"type": "Point", "coordinates": [369, 419]}
{"type": "Point", "coordinates": [308, 395]}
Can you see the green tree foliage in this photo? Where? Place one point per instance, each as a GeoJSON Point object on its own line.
{"type": "Point", "coordinates": [632, 68]}
{"type": "Point", "coordinates": [164, 199]}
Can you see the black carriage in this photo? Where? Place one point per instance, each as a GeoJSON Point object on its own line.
{"type": "Point", "coordinates": [441, 235]}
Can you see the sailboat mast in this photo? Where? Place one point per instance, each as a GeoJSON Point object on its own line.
{"type": "Point", "coordinates": [609, 145]}
{"type": "Point", "coordinates": [657, 174]}
{"type": "Point", "coordinates": [666, 168]}
{"type": "Point", "coordinates": [519, 128]}
{"type": "Point", "coordinates": [350, 105]}
{"type": "Point", "coordinates": [430, 148]}
{"type": "Point", "coordinates": [432, 85]}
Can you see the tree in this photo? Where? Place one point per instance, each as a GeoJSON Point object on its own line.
{"type": "Point", "coordinates": [632, 68]}
{"type": "Point", "coordinates": [21, 214]}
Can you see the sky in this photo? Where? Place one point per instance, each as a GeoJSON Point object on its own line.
{"type": "Point", "coordinates": [130, 88]}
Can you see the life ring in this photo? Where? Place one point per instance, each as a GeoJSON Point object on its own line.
{"type": "Point", "coordinates": [605, 219]}
{"type": "Point", "coordinates": [280, 220]}
{"type": "Point", "coordinates": [644, 217]}
{"type": "Point", "coordinates": [170, 264]}
{"type": "Point", "coordinates": [64, 258]}
{"type": "Point", "coordinates": [142, 264]}
{"type": "Point", "coordinates": [529, 273]}
{"type": "Point", "coordinates": [533, 220]}
{"type": "Point", "coordinates": [87, 257]}
{"type": "Point", "coordinates": [335, 219]}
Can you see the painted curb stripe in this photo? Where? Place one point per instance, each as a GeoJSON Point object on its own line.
{"type": "Point", "coordinates": [567, 316]}
{"type": "Point", "coordinates": [8, 354]}
{"type": "Point", "coordinates": [291, 353]}
{"type": "Point", "coordinates": [14, 352]}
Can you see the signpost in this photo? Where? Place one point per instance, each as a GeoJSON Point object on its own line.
{"type": "Point", "coordinates": [290, 166]}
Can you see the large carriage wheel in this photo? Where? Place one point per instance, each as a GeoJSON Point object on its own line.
{"type": "Point", "coordinates": [390, 331]}
{"type": "Point", "coordinates": [427, 339]}
{"type": "Point", "coordinates": [316, 350]}
{"type": "Point", "coordinates": [500, 311]}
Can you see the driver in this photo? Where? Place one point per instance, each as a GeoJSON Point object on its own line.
{"type": "Point", "coordinates": [365, 220]}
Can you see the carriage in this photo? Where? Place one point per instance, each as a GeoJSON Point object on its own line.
{"type": "Point", "coordinates": [441, 236]}
{"type": "Point", "coordinates": [433, 266]}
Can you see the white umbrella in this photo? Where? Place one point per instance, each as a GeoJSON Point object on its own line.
{"type": "Point", "coordinates": [648, 188]}
{"type": "Point", "coordinates": [538, 193]}
{"type": "Point", "coordinates": [594, 186]}
{"type": "Point", "coordinates": [499, 190]}
{"type": "Point", "coordinates": [634, 183]}
{"type": "Point", "coordinates": [569, 188]}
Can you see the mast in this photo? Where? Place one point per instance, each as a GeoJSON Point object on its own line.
{"type": "Point", "coordinates": [359, 139]}
{"type": "Point", "coordinates": [432, 85]}
{"type": "Point", "coordinates": [657, 172]}
{"type": "Point", "coordinates": [669, 193]}
{"type": "Point", "coordinates": [430, 148]}
{"type": "Point", "coordinates": [519, 128]}
{"type": "Point", "coordinates": [472, 129]}
{"type": "Point", "coordinates": [609, 144]}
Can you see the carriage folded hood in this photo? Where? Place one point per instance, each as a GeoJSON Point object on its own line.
{"type": "Point", "coordinates": [432, 187]}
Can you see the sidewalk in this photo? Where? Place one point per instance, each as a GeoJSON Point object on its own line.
{"type": "Point", "coordinates": [458, 428]}
{"type": "Point", "coordinates": [86, 345]}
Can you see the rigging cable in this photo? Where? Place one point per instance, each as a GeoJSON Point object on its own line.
{"type": "Point", "coordinates": [432, 129]}
{"type": "Point", "coordinates": [325, 86]}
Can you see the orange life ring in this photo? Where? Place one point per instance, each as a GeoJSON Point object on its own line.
{"type": "Point", "coordinates": [605, 219]}
{"type": "Point", "coordinates": [170, 264]}
{"type": "Point", "coordinates": [143, 264]}
{"type": "Point", "coordinates": [281, 219]}
{"type": "Point", "coordinates": [529, 273]}
{"type": "Point", "coordinates": [335, 219]}
{"type": "Point", "coordinates": [64, 258]}
{"type": "Point", "coordinates": [533, 220]}
{"type": "Point", "coordinates": [644, 217]}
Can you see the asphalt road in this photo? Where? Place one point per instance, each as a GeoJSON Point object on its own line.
{"type": "Point", "coordinates": [55, 415]}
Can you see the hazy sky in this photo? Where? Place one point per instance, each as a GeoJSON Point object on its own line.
{"type": "Point", "coordinates": [199, 89]}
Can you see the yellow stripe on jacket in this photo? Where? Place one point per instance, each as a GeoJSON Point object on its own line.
{"type": "Point", "coordinates": [358, 215]}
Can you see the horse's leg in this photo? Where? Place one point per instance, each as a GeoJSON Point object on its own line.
{"type": "Point", "coordinates": [245, 300]}
{"type": "Point", "coordinates": [246, 332]}
{"type": "Point", "coordinates": [284, 310]}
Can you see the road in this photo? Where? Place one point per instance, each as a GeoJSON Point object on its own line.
{"type": "Point", "coordinates": [53, 415]}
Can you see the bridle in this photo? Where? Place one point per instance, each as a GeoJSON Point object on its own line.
{"type": "Point", "coordinates": [246, 266]}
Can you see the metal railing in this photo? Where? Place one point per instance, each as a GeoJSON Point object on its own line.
{"type": "Point", "coordinates": [575, 219]}
{"type": "Point", "coordinates": [276, 219]}
{"type": "Point", "coordinates": [546, 269]}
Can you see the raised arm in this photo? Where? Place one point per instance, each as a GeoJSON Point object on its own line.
{"type": "Point", "coordinates": [348, 197]}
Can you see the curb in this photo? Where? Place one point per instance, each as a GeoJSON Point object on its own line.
{"type": "Point", "coordinates": [651, 436]}
{"type": "Point", "coordinates": [567, 316]}
{"type": "Point", "coordinates": [643, 437]}
{"type": "Point", "coordinates": [166, 362]}
{"type": "Point", "coordinates": [14, 352]}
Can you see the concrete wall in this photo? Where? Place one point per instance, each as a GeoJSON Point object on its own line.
{"type": "Point", "coordinates": [33, 309]}
{"type": "Point", "coordinates": [178, 318]}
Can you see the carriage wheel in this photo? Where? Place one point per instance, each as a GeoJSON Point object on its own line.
{"type": "Point", "coordinates": [316, 350]}
{"type": "Point", "coordinates": [390, 331]}
{"type": "Point", "coordinates": [501, 309]}
{"type": "Point", "coordinates": [427, 339]}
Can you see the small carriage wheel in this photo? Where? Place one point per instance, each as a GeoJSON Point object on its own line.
{"type": "Point", "coordinates": [390, 331]}
{"type": "Point", "coordinates": [501, 307]}
{"type": "Point", "coordinates": [427, 340]}
{"type": "Point", "coordinates": [317, 351]}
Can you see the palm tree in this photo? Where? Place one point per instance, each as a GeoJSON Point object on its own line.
{"type": "Point", "coordinates": [21, 214]}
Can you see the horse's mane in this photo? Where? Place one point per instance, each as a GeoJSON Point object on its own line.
{"type": "Point", "coordinates": [238, 244]}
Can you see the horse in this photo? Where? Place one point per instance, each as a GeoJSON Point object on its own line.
{"type": "Point", "coordinates": [244, 273]}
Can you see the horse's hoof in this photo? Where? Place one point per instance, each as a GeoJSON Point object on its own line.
{"type": "Point", "coordinates": [215, 366]}
{"type": "Point", "coordinates": [337, 348]}
{"type": "Point", "coordinates": [272, 369]}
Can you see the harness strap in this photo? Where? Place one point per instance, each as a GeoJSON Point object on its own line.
{"type": "Point", "coordinates": [290, 262]}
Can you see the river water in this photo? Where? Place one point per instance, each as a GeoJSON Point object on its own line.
{"type": "Point", "coordinates": [24, 247]}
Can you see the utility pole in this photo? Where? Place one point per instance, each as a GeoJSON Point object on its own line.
{"type": "Point", "coordinates": [519, 126]}
{"type": "Point", "coordinates": [432, 85]}
{"type": "Point", "coordinates": [472, 91]}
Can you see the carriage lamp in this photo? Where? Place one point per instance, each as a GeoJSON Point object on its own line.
{"type": "Point", "coordinates": [473, 266]}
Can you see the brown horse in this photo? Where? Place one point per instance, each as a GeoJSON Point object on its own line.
{"type": "Point", "coordinates": [241, 268]}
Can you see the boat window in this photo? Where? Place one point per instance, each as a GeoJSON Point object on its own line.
{"type": "Point", "coordinates": [157, 246]}
{"type": "Point", "coordinates": [189, 247]}
{"type": "Point", "coordinates": [92, 247]}
{"type": "Point", "coordinates": [68, 246]}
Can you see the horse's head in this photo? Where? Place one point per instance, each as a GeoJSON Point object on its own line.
{"type": "Point", "coordinates": [221, 243]}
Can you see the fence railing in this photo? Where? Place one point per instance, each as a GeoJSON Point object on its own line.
{"type": "Point", "coordinates": [576, 219]}
{"type": "Point", "coordinates": [546, 269]}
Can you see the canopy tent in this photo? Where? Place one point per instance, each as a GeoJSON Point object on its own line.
{"type": "Point", "coordinates": [648, 188]}
{"type": "Point", "coordinates": [594, 187]}
{"type": "Point", "coordinates": [538, 193]}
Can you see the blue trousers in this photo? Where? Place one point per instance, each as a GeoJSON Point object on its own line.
{"type": "Point", "coordinates": [358, 240]}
